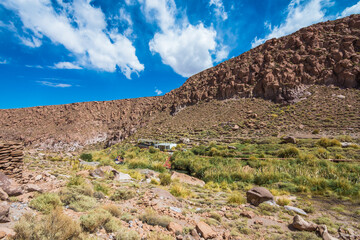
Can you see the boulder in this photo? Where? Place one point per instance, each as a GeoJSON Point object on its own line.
{"type": "Point", "coordinates": [122, 177]}
{"type": "Point", "coordinates": [106, 171]}
{"type": "Point", "coordinates": [3, 195]}
{"type": "Point", "coordinates": [33, 188]}
{"type": "Point", "coordinates": [205, 230]}
{"type": "Point", "coordinates": [8, 186]}
{"type": "Point", "coordinates": [289, 139]}
{"type": "Point", "coordinates": [322, 229]}
{"type": "Point", "coordinates": [4, 212]}
{"type": "Point", "coordinates": [184, 178]}
{"type": "Point", "coordinates": [295, 209]}
{"type": "Point", "coordinates": [248, 214]}
{"type": "Point", "coordinates": [2, 234]}
{"type": "Point", "coordinates": [175, 228]}
{"type": "Point", "coordinates": [300, 224]}
{"type": "Point", "coordinates": [184, 140]}
{"type": "Point", "coordinates": [257, 195]}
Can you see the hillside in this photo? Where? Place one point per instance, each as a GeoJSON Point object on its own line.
{"type": "Point", "coordinates": [247, 92]}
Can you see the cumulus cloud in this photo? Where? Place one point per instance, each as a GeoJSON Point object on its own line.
{"type": "Point", "coordinates": [355, 9]}
{"type": "Point", "coordinates": [186, 48]}
{"type": "Point", "coordinates": [79, 27]}
{"type": "Point", "coordinates": [65, 65]}
{"type": "Point", "coordinates": [219, 9]}
{"type": "Point", "coordinates": [55, 85]}
{"type": "Point", "coordinates": [299, 14]}
{"type": "Point", "coordinates": [158, 92]}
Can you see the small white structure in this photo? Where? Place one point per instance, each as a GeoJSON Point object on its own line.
{"type": "Point", "coordinates": [165, 146]}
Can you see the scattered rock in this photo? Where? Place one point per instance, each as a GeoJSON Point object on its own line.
{"type": "Point", "coordinates": [295, 209]}
{"type": "Point", "coordinates": [184, 178]}
{"type": "Point", "coordinates": [11, 188]}
{"type": "Point", "coordinates": [231, 147]}
{"type": "Point", "coordinates": [175, 209]}
{"type": "Point", "coordinates": [4, 212]}
{"type": "Point", "coordinates": [122, 177]}
{"type": "Point", "coordinates": [2, 234]}
{"type": "Point", "coordinates": [205, 230]}
{"type": "Point", "coordinates": [9, 232]}
{"type": "Point", "coordinates": [38, 178]}
{"type": "Point", "coordinates": [300, 224]}
{"type": "Point", "coordinates": [175, 228]}
{"type": "Point", "coordinates": [259, 222]}
{"type": "Point", "coordinates": [257, 195]}
{"type": "Point", "coordinates": [340, 96]}
{"type": "Point", "coordinates": [84, 173]}
{"type": "Point", "coordinates": [184, 140]}
{"type": "Point", "coordinates": [248, 214]}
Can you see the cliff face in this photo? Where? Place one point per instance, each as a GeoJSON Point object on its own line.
{"type": "Point", "coordinates": [279, 70]}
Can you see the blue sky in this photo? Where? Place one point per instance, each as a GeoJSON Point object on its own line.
{"type": "Point", "coordinates": [64, 51]}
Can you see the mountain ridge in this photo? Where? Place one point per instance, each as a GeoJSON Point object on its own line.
{"type": "Point", "coordinates": [280, 70]}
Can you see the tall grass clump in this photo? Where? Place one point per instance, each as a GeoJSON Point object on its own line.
{"type": "Point", "coordinates": [325, 142]}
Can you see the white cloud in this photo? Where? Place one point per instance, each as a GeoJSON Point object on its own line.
{"type": "Point", "coordinates": [66, 65]}
{"type": "Point", "coordinates": [34, 66]}
{"type": "Point", "coordinates": [158, 92]}
{"type": "Point", "coordinates": [355, 9]}
{"type": "Point", "coordinates": [186, 48]}
{"type": "Point", "coordinates": [56, 85]}
{"type": "Point", "coordinates": [299, 15]}
{"type": "Point", "coordinates": [82, 29]}
{"type": "Point", "coordinates": [3, 61]}
{"type": "Point", "coordinates": [219, 9]}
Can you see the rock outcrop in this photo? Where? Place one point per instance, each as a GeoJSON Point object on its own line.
{"type": "Point", "coordinates": [257, 195]}
{"type": "Point", "coordinates": [279, 70]}
{"type": "Point", "coordinates": [11, 159]}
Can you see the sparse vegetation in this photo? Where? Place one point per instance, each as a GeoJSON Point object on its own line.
{"type": "Point", "coordinates": [46, 202]}
{"type": "Point", "coordinates": [153, 218]}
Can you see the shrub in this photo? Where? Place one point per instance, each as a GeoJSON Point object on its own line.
{"type": "Point", "coordinates": [76, 199]}
{"type": "Point", "coordinates": [92, 221]}
{"type": "Point", "coordinates": [267, 209]}
{"type": "Point", "coordinates": [125, 234]}
{"type": "Point", "coordinates": [75, 181]}
{"type": "Point", "coordinates": [325, 142]}
{"type": "Point", "coordinates": [236, 198]}
{"type": "Point", "coordinates": [45, 202]}
{"type": "Point", "coordinates": [165, 179]}
{"type": "Point", "coordinates": [316, 131]}
{"type": "Point", "coordinates": [86, 157]}
{"type": "Point", "coordinates": [113, 210]}
{"type": "Point", "coordinates": [112, 225]}
{"type": "Point", "coordinates": [55, 226]}
{"type": "Point", "coordinates": [282, 201]}
{"type": "Point", "coordinates": [122, 194]}
{"type": "Point", "coordinates": [154, 181]}
{"type": "Point", "coordinates": [153, 218]}
{"type": "Point", "coordinates": [322, 153]}
{"type": "Point", "coordinates": [290, 152]}
{"type": "Point", "coordinates": [178, 190]}
{"type": "Point", "coordinates": [100, 187]}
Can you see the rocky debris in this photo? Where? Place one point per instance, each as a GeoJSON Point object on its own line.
{"type": "Point", "coordinates": [8, 232]}
{"type": "Point", "coordinates": [2, 234]}
{"type": "Point", "coordinates": [231, 147]}
{"type": "Point", "coordinates": [322, 229]}
{"type": "Point", "coordinates": [4, 212]}
{"type": "Point", "coordinates": [257, 195]}
{"type": "Point", "coordinates": [348, 144]}
{"type": "Point", "coordinates": [84, 173]}
{"type": "Point", "coordinates": [11, 159]}
{"type": "Point", "coordinates": [348, 234]}
{"type": "Point", "coordinates": [175, 228]}
{"type": "Point", "coordinates": [289, 139]}
{"type": "Point", "coordinates": [38, 178]}
{"type": "Point", "coordinates": [184, 178]}
{"type": "Point", "coordinates": [300, 224]}
{"type": "Point", "coordinates": [295, 209]}
{"type": "Point", "coordinates": [205, 230]}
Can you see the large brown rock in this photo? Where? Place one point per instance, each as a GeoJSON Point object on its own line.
{"type": "Point", "coordinates": [257, 195]}
{"type": "Point", "coordinates": [184, 178]}
{"type": "Point", "coordinates": [3, 195]}
{"type": "Point", "coordinates": [175, 228]}
{"type": "Point", "coordinates": [4, 212]}
{"type": "Point", "coordinates": [300, 224]}
{"type": "Point", "coordinates": [11, 188]}
{"type": "Point", "coordinates": [205, 230]}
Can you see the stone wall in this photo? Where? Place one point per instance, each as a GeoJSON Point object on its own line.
{"type": "Point", "coordinates": [11, 159]}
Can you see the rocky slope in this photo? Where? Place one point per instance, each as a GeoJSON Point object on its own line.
{"type": "Point", "coordinates": [279, 70]}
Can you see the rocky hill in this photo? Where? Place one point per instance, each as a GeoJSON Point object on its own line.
{"type": "Point", "coordinates": [281, 71]}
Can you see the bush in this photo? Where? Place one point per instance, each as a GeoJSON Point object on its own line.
{"type": "Point", "coordinates": [290, 152]}
{"type": "Point", "coordinates": [165, 179]}
{"type": "Point", "coordinates": [113, 210]}
{"type": "Point", "coordinates": [178, 190]}
{"type": "Point", "coordinates": [125, 234]}
{"type": "Point", "coordinates": [236, 198]}
{"type": "Point", "coordinates": [77, 198]}
{"type": "Point", "coordinates": [153, 218]}
{"type": "Point", "coordinates": [100, 187]}
{"type": "Point", "coordinates": [86, 157]}
{"type": "Point", "coordinates": [282, 201]}
{"type": "Point", "coordinates": [46, 202]}
{"type": "Point", "coordinates": [55, 226]}
{"type": "Point", "coordinates": [267, 209]}
{"type": "Point", "coordinates": [92, 221]}
{"type": "Point", "coordinates": [325, 142]}
{"type": "Point", "coordinates": [112, 225]}
{"type": "Point", "coordinates": [122, 194]}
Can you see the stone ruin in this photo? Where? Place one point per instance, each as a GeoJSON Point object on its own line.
{"type": "Point", "coordinates": [11, 159]}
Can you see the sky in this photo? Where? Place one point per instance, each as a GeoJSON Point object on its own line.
{"type": "Point", "coordinates": [65, 51]}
